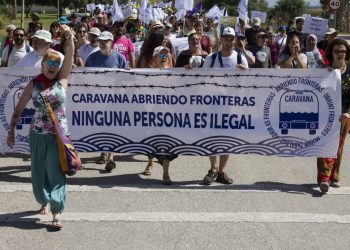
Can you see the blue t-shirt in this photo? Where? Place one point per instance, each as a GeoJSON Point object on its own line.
{"type": "Point", "coordinates": [97, 59]}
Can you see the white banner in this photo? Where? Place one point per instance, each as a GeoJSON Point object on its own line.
{"type": "Point", "coordinates": [191, 112]}
{"type": "Point", "coordinates": [261, 15]}
{"type": "Point", "coordinates": [315, 25]}
{"type": "Point", "coordinates": [184, 4]}
{"type": "Point", "coordinates": [243, 9]}
{"type": "Point", "coordinates": [90, 7]}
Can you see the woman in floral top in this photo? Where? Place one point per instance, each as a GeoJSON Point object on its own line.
{"type": "Point", "coordinates": [338, 53]}
{"type": "Point", "coordinates": [48, 181]}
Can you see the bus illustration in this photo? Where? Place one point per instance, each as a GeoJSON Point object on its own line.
{"type": "Point", "coordinates": [299, 110]}
{"type": "Point", "coordinates": [26, 115]}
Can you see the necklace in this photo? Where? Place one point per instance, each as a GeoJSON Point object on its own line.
{"type": "Point", "coordinates": [342, 70]}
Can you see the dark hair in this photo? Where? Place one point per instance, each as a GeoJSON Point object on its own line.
{"type": "Point", "coordinates": [330, 47]}
{"type": "Point", "coordinates": [289, 38]}
{"type": "Point", "coordinates": [54, 24]}
{"type": "Point", "coordinates": [19, 28]}
{"type": "Point", "coordinates": [154, 40]}
{"type": "Point", "coordinates": [191, 35]}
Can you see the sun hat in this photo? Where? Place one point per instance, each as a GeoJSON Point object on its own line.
{"type": "Point", "coordinates": [95, 31]}
{"type": "Point", "coordinates": [256, 21]}
{"type": "Point", "coordinates": [331, 31]}
{"type": "Point", "coordinates": [43, 35]}
{"type": "Point", "coordinates": [155, 24]}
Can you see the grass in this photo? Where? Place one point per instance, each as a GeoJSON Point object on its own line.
{"type": "Point", "coordinates": [45, 19]}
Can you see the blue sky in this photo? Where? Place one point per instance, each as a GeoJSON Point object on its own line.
{"type": "Point", "coordinates": [312, 2]}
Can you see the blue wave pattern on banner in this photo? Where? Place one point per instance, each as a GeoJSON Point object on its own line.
{"type": "Point", "coordinates": [209, 146]}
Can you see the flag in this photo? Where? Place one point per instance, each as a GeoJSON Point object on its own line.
{"type": "Point", "coordinates": [224, 12]}
{"type": "Point", "coordinates": [243, 9]}
{"type": "Point", "coordinates": [196, 8]}
{"type": "Point", "coordinates": [117, 13]}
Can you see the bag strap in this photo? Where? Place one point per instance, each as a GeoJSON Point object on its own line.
{"type": "Point", "coordinates": [220, 59]}
{"type": "Point", "coordinates": [213, 59]}
{"type": "Point", "coordinates": [49, 110]}
{"type": "Point", "coordinates": [9, 53]}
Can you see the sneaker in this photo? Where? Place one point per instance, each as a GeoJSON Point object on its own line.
{"type": "Point", "coordinates": [223, 178]}
{"type": "Point", "coordinates": [335, 184]}
{"type": "Point", "coordinates": [110, 165]}
{"type": "Point", "coordinates": [210, 177]}
{"type": "Point", "coordinates": [324, 186]}
{"type": "Point", "coordinates": [102, 159]}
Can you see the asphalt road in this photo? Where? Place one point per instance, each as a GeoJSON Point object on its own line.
{"type": "Point", "coordinates": [273, 204]}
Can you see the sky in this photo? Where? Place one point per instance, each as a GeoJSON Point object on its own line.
{"type": "Point", "coordinates": [312, 2]}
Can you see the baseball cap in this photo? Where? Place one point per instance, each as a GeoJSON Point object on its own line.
{"type": "Point", "coordinates": [63, 20]}
{"type": "Point", "coordinates": [158, 49]}
{"type": "Point", "coordinates": [43, 35]}
{"type": "Point", "coordinates": [228, 32]}
{"type": "Point", "coordinates": [331, 31]}
{"type": "Point", "coordinates": [256, 21]}
{"type": "Point", "coordinates": [95, 31]}
{"type": "Point", "coordinates": [106, 35]}
{"type": "Point", "coordinates": [283, 28]}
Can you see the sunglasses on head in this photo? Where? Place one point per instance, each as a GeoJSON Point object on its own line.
{"type": "Point", "coordinates": [53, 63]}
{"type": "Point", "coordinates": [163, 56]}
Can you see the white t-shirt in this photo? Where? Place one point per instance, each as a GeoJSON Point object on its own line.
{"type": "Point", "coordinates": [86, 50]}
{"type": "Point", "coordinates": [282, 41]}
{"type": "Point", "coordinates": [228, 62]}
{"type": "Point", "coordinates": [16, 54]}
{"type": "Point", "coordinates": [284, 57]}
{"type": "Point", "coordinates": [32, 60]}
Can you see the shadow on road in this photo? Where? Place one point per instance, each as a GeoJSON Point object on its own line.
{"type": "Point", "coordinates": [24, 221]}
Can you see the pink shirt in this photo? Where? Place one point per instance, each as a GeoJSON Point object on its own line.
{"type": "Point", "coordinates": [124, 46]}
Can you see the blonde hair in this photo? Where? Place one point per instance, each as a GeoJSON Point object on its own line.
{"type": "Point", "coordinates": [52, 55]}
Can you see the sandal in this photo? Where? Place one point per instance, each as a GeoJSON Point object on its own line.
{"type": "Point", "coordinates": [44, 210]}
{"type": "Point", "coordinates": [102, 159]}
{"type": "Point", "coordinates": [148, 170]}
{"type": "Point", "coordinates": [56, 223]}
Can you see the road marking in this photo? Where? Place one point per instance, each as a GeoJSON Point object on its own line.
{"type": "Point", "coordinates": [215, 188]}
{"type": "Point", "coordinates": [239, 217]}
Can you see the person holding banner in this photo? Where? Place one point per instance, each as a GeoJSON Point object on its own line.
{"type": "Point", "coordinates": [338, 54]}
{"type": "Point", "coordinates": [162, 59]}
{"type": "Point", "coordinates": [227, 57]}
{"type": "Point", "coordinates": [292, 56]}
{"type": "Point", "coordinates": [48, 181]}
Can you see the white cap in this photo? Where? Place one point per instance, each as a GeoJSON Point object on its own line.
{"type": "Point", "coordinates": [44, 35]}
{"type": "Point", "coordinates": [95, 31]}
{"type": "Point", "coordinates": [158, 49]}
{"type": "Point", "coordinates": [228, 32]}
{"type": "Point", "coordinates": [105, 35]}
{"type": "Point", "coordinates": [331, 31]}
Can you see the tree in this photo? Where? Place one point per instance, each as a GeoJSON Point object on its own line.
{"type": "Point", "coordinates": [288, 9]}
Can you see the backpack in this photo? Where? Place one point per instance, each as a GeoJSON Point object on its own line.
{"type": "Point", "coordinates": [239, 59]}
{"type": "Point", "coordinates": [10, 50]}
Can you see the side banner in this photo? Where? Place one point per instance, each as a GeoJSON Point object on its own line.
{"type": "Point", "coordinates": [193, 112]}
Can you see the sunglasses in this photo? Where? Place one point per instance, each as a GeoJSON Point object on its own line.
{"type": "Point", "coordinates": [53, 63]}
{"type": "Point", "coordinates": [163, 56]}
{"type": "Point", "coordinates": [263, 37]}
{"type": "Point", "coordinates": [18, 35]}
{"type": "Point", "coordinates": [8, 30]}
{"type": "Point", "coordinates": [81, 31]}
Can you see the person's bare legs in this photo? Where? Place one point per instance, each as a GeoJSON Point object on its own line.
{"type": "Point", "coordinates": [166, 176]}
{"type": "Point", "coordinates": [217, 173]}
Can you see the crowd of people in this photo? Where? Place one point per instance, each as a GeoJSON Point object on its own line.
{"type": "Point", "coordinates": [97, 41]}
